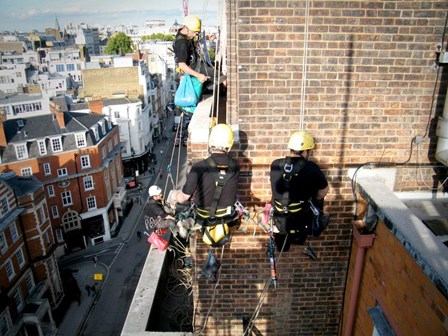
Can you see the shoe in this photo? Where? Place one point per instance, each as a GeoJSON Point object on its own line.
{"type": "Point", "coordinates": [309, 252]}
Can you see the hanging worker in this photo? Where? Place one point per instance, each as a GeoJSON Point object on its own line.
{"type": "Point", "coordinates": [155, 210]}
{"type": "Point", "coordinates": [212, 186]}
{"type": "Point", "coordinates": [186, 55]}
{"type": "Point", "coordinates": [295, 182]}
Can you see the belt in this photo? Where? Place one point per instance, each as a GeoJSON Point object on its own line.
{"type": "Point", "coordinates": [288, 208]}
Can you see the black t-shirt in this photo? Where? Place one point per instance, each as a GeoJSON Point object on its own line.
{"type": "Point", "coordinates": [184, 51]}
{"type": "Point", "coordinates": [302, 186]}
{"type": "Point", "coordinates": [154, 209]}
{"type": "Point", "coordinates": [201, 183]}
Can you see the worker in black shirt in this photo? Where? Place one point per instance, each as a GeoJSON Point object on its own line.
{"type": "Point", "coordinates": [295, 182]}
{"type": "Point", "coordinates": [155, 212]}
{"type": "Point", "coordinates": [186, 55]}
{"type": "Point", "coordinates": [212, 185]}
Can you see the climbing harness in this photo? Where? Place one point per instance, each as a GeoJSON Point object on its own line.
{"type": "Point", "coordinates": [216, 221]}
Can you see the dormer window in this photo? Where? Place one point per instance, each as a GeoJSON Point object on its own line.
{"type": "Point", "coordinates": [80, 140]}
{"type": "Point", "coordinates": [21, 151]}
{"type": "Point", "coordinates": [56, 145]}
{"type": "Point", "coordinates": [42, 147]}
{"type": "Point", "coordinates": [96, 132]}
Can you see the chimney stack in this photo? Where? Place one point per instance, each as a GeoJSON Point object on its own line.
{"type": "Point", "coordinates": [96, 105]}
{"type": "Point", "coordinates": [3, 142]}
{"type": "Point", "coordinates": [57, 113]}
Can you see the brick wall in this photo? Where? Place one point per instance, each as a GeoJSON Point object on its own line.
{"type": "Point", "coordinates": [367, 92]}
{"type": "Point", "coordinates": [96, 83]}
{"type": "Point", "coordinates": [393, 280]}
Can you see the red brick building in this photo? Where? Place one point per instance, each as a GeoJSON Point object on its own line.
{"type": "Point", "coordinates": [30, 282]}
{"type": "Point", "coordinates": [77, 157]}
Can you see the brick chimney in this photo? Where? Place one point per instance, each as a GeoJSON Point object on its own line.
{"type": "Point", "coordinates": [96, 105]}
{"type": "Point", "coordinates": [57, 113]}
{"type": "Point", "coordinates": [3, 142]}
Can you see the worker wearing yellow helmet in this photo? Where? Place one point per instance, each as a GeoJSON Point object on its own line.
{"type": "Point", "coordinates": [186, 56]}
{"type": "Point", "coordinates": [298, 186]}
{"type": "Point", "coordinates": [212, 184]}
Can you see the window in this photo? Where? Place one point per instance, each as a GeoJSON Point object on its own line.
{"type": "Point", "coordinates": [43, 216]}
{"type": "Point", "coordinates": [20, 258]}
{"type": "Point", "coordinates": [60, 68]}
{"type": "Point", "coordinates": [70, 67]}
{"type": "Point", "coordinates": [110, 146]}
{"type": "Point", "coordinates": [5, 327]}
{"type": "Point", "coordinates": [55, 211]}
{"type": "Point", "coordinates": [9, 267]}
{"type": "Point", "coordinates": [88, 183]}
{"type": "Point", "coordinates": [56, 145]}
{"type": "Point", "coordinates": [381, 325]}
{"type": "Point", "coordinates": [50, 190]}
{"type": "Point", "coordinates": [26, 171]}
{"type": "Point", "coordinates": [59, 236]}
{"type": "Point", "coordinates": [21, 152]}
{"type": "Point", "coordinates": [70, 221]}
{"type": "Point", "coordinates": [117, 114]}
{"type": "Point", "coordinates": [62, 171]}
{"type": "Point", "coordinates": [85, 161]}
{"type": "Point", "coordinates": [13, 231]}
{"type": "Point", "coordinates": [66, 198]}
{"type": "Point", "coordinates": [29, 281]}
{"type": "Point", "coordinates": [47, 169]}
{"type": "Point", "coordinates": [4, 206]}
{"type": "Point", "coordinates": [18, 299]}
{"type": "Point", "coordinates": [95, 132]}
{"type": "Point", "coordinates": [91, 202]}
{"type": "Point", "coordinates": [3, 244]}
{"type": "Point", "coordinates": [80, 139]}
{"type": "Point", "coordinates": [42, 147]}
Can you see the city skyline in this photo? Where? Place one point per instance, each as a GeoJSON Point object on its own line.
{"type": "Point", "coordinates": [23, 16]}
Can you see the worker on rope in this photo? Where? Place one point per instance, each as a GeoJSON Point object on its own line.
{"type": "Point", "coordinates": [298, 187]}
{"type": "Point", "coordinates": [212, 186]}
{"type": "Point", "coordinates": [186, 55]}
{"type": "Point", "coordinates": [156, 214]}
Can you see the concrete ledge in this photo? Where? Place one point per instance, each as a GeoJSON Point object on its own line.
{"type": "Point", "coordinates": [200, 121]}
{"type": "Point", "coordinates": [140, 309]}
{"type": "Point", "coordinates": [426, 249]}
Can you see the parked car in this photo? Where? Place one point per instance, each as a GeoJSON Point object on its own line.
{"type": "Point", "coordinates": [130, 182]}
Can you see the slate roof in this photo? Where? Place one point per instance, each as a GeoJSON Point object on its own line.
{"type": "Point", "coordinates": [43, 126]}
{"type": "Point", "coordinates": [21, 185]}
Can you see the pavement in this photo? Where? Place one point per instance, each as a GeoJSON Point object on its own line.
{"type": "Point", "coordinates": [87, 268]}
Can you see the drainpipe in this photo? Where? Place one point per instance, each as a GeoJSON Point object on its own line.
{"type": "Point", "coordinates": [364, 242]}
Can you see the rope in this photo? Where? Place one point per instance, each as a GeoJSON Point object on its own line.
{"type": "Point", "coordinates": [213, 297]}
{"type": "Point", "coordinates": [304, 66]}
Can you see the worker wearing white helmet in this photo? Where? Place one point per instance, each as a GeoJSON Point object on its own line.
{"type": "Point", "coordinates": [155, 211]}
{"type": "Point", "coordinates": [295, 181]}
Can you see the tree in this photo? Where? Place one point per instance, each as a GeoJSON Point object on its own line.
{"type": "Point", "coordinates": [119, 43]}
{"type": "Point", "coordinates": [158, 36]}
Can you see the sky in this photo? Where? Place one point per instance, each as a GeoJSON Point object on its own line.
{"type": "Point", "coordinates": [26, 15]}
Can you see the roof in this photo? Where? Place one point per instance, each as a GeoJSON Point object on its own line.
{"type": "Point", "coordinates": [46, 126]}
{"type": "Point", "coordinates": [21, 185]}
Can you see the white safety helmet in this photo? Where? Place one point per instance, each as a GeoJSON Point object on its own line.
{"type": "Point", "coordinates": [154, 191]}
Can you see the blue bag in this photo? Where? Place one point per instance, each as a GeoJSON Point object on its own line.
{"type": "Point", "coordinates": [185, 94]}
{"type": "Point", "coordinates": [198, 89]}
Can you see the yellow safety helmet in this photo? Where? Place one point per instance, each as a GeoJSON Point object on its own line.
{"type": "Point", "coordinates": [221, 137]}
{"type": "Point", "coordinates": [216, 235]}
{"type": "Point", "coordinates": [301, 141]}
{"type": "Point", "coordinates": [193, 23]}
